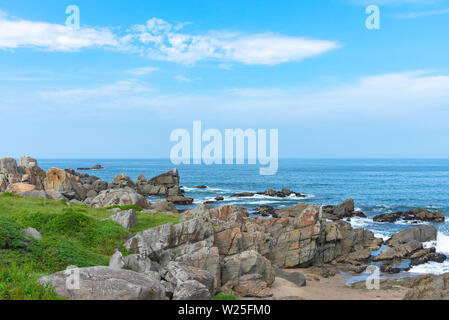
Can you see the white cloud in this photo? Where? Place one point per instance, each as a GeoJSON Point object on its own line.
{"type": "Point", "coordinates": [142, 71]}
{"type": "Point", "coordinates": [161, 41]}
{"type": "Point", "coordinates": [49, 36]}
{"type": "Point", "coordinates": [181, 78]}
{"type": "Point", "coordinates": [385, 96]}
{"type": "Point", "coordinates": [412, 15]}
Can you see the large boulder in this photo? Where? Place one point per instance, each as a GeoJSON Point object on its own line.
{"type": "Point", "coordinates": [57, 180]}
{"type": "Point", "coordinates": [177, 273]}
{"type": "Point", "coordinates": [127, 218]}
{"type": "Point", "coordinates": [401, 251]}
{"type": "Point", "coordinates": [420, 233]}
{"type": "Point", "coordinates": [104, 283]}
{"type": "Point", "coordinates": [166, 184]}
{"type": "Point", "coordinates": [31, 173]}
{"type": "Point", "coordinates": [250, 285]}
{"type": "Point", "coordinates": [153, 242]}
{"type": "Point", "coordinates": [122, 181]}
{"type": "Point", "coordinates": [119, 197]}
{"type": "Point", "coordinates": [20, 187]}
{"type": "Point", "coordinates": [34, 194]}
{"type": "Point", "coordinates": [181, 200]}
{"type": "Point", "coordinates": [191, 290]}
{"type": "Point", "coordinates": [248, 262]}
{"type": "Point", "coordinates": [8, 166]}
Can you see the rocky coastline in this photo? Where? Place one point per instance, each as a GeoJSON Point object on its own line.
{"type": "Point", "coordinates": [222, 249]}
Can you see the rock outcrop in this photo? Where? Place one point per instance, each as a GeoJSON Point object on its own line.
{"type": "Point", "coordinates": [415, 214]}
{"type": "Point", "coordinates": [104, 283]}
{"type": "Point", "coordinates": [119, 197]}
{"type": "Point", "coordinates": [127, 218]}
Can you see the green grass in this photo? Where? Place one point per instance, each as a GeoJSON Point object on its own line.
{"type": "Point", "coordinates": [127, 207]}
{"type": "Point", "coordinates": [76, 235]}
{"type": "Point", "coordinates": [225, 296]}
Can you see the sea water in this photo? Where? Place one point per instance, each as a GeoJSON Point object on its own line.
{"type": "Point", "coordinates": [377, 186]}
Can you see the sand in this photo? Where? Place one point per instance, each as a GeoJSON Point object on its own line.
{"type": "Point", "coordinates": [332, 288]}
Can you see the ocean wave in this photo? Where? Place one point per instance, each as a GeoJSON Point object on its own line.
{"type": "Point", "coordinates": [208, 189]}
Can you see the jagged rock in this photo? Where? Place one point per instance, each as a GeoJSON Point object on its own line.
{"type": "Point", "coordinates": [169, 178]}
{"type": "Point", "coordinates": [127, 219]}
{"type": "Point", "coordinates": [191, 290]}
{"type": "Point", "coordinates": [181, 200]}
{"type": "Point", "coordinates": [57, 180]}
{"type": "Point", "coordinates": [281, 194]}
{"type": "Point", "coordinates": [141, 264]}
{"type": "Point", "coordinates": [153, 242]}
{"type": "Point", "coordinates": [177, 273]}
{"type": "Point", "coordinates": [250, 285]}
{"type": "Point", "coordinates": [420, 233]}
{"type": "Point", "coordinates": [104, 283]}
{"type": "Point", "coordinates": [20, 187]}
{"type": "Point", "coordinates": [426, 255]}
{"type": "Point", "coordinates": [415, 214]}
{"type": "Point", "coordinates": [119, 197]}
{"type": "Point", "coordinates": [99, 185]}
{"type": "Point", "coordinates": [117, 261]}
{"type": "Point", "coordinates": [122, 181]}
{"type": "Point", "coordinates": [399, 252]}
{"type": "Point", "coordinates": [33, 233]}
{"type": "Point", "coordinates": [248, 262]}
{"type": "Point", "coordinates": [341, 211]}
{"type": "Point", "coordinates": [219, 198]}
{"type": "Point", "coordinates": [8, 166]}
{"type": "Point", "coordinates": [166, 184]}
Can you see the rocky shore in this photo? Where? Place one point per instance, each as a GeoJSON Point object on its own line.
{"type": "Point", "coordinates": [223, 249]}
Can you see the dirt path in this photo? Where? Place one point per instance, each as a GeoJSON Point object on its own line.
{"type": "Point", "coordinates": [333, 288]}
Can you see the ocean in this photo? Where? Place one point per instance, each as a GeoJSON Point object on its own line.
{"type": "Point", "coordinates": [376, 185]}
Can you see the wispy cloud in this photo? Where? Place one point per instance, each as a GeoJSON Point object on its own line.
{"type": "Point", "coordinates": [182, 78]}
{"type": "Point", "coordinates": [17, 33]}
{"type": "Point", "coordinates": [159, 40]}
{"type": "Point", "coordinates": [142, 71]}
{"type": "Point", "coordinates": [412, 15]}
{"type": "Point", "coordinates": [389, 96]}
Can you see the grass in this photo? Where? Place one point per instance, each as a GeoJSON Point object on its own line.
{"type": "Point", "coordinates": [127, 207]}
{"type": "Point", "coordinates": [225, 296]}
{"type": "Point", "coordinates": [76, 235]}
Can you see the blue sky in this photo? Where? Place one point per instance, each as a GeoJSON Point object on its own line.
{"type": "Point", "coordinates": [136, 70]}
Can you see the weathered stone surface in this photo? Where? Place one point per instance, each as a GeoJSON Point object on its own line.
{"type": "Point", "coordinates": [117, 261]}
{"type": "Point", "coordinates": [429, 287]}
{"type": "Point", "coordinates": [399, 252]}
{"type": "Point", "coordinates": [57, 180]}
{"type": "Point", "coordinates": [191, 290]}
{"type": "Point", "coordinates": [426, 255]}
{"type": "Point", "coordinates": [415, 214]}
{"type": "Point", "coordinates": [122, 181]}
{"type": "Point", "coordinates": [181, 200]}
{"type": "Point", "coordinates": [127, 219]}
{"type": "Point", "coordinates": [420, 233]}
{"type": "Point", "coordinates": [154, 241]}
{"type": "Point", "coordinates": [177, 273]}
{"type": "Point", "coordinates": [104, 283]}
{"type": "Point", "coordinates": [33, 233]}
{"type": "Point", "coordinates": [119, 197]}
{"type": "Point", "coordinates": [248, 262]}
{"type": "Point", "coordinates": [250, 285]}
{"type": "Point", "coordinates": [295, 277]}
{"type": "Point", "coordinates": [20, 187]}
{"type": "Point", "coordinates": [8, 166]}
{"type": "Point", "coordinates": [141, 264]}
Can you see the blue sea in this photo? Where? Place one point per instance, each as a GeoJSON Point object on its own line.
{"type": "Point", "coordinates": [377, 186]}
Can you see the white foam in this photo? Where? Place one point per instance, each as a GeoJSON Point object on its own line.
{"type": "Point", "coordinates": [442, 246]}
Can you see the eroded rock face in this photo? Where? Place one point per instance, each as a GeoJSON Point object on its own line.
{"type": "Point", "coordinates": [20, 187]}
{"type": "Point", "coordinates": [248, 262]}
{"type": "Point", "coordinates": [127, 219]}
{"type": "Point", "coordinates": [104, 283]}
{"type": "Point", "coordinates": [429, 287]}
{"type": "Point", "coordinates": [177, 273]}
{"type": "Point", "coordinates": [164, 206]}
{"type": "Point", "coordinates": [250, 285]}
{"type": "Point", "coordinates": [65, 183]}
{"type": "Point", "coordinates": [119, 197]}
{"type": "Point", "coordinates": [191, 290]}
{"type": "Point", "coordinates": [415, 214]}
{"type": "Point", "coordinates": [420, 233]}
{"type": "Point", "coordinates": [166, 184]}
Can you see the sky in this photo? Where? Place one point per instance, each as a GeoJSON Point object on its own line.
{"type": "Point", "coordinates": [137, 70]}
